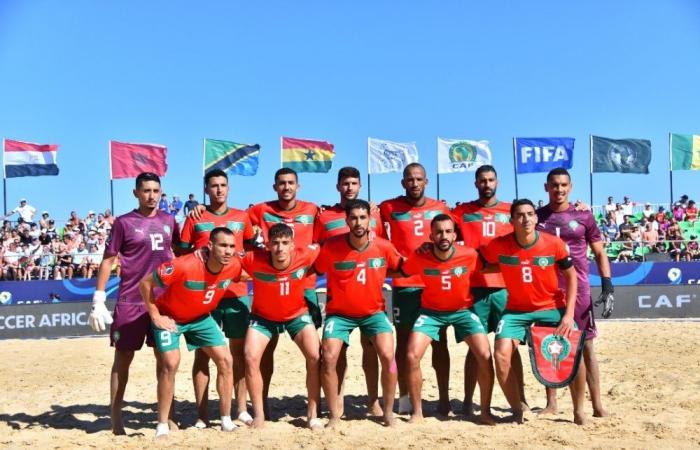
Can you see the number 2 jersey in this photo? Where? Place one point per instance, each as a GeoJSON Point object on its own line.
{"type": "Point", "coordinates": [530, 272]}
{"type": "Point", "coordinates": [446, 282]}
{"type": "Point", "coordinates": [142, 243]}
{"type": "Point", "coordinates": [479, 225]}
{"type": "Point", "coordinates": [409, 228]}
{"type": "Point", "coordinates": [355, 276]}
{"type": "Point", "coordinates": [192, 290]}
{"type": "Point", "coordinates": [195, 234]}
{"type": "Point", "coordinates": [278, 295]}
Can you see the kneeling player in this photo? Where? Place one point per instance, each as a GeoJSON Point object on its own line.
{"type": "Point", "coordinates": [356, 268]}
{"type": "Point", "coordinates": [193, 290]}
{"type": "Point", "coordinates": [279, 275]}
{"type": "Point", "coordinates": [529, 261]}
{"type": "Point", "coordinates": [446, 300]}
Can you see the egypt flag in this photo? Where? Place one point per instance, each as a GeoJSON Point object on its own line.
{"type": "Point", "coordinates": [25, 159]}
{"type": "Point", "coordinates": [306, 155]}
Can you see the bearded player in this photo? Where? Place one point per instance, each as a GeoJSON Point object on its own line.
{"type": "Point", "coordinates": [356, 268]}
{"type": "Point", "coordinates": [479, 222]}
{"type": "Point", "coordinates": [142, 239]}
{"type": "Point", "coordinates": [446, 270]}
{"type": "Point", "coordinates": [233, 311]}
{"type": "Point", "coordinates": [333, 222]}
{"type": "Point", "coordinates": [193, 288]}
{"type": "Point", "coordinates": [409, 218]}
{"type": "Point", "coordinates": [579, 230]}
{"type": "Point", "coordinates": [530, 262]}
{"type": "Point", "coordinates": [279, 277]}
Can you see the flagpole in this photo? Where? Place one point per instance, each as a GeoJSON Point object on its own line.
{"type": "Point", "coordinates": [281, 155]}
{"type": "Point", "coordinates": [438, 185]}
{"type": "Point", "coordinates": [515, 166]}
{"type": "Point", "coordinates": [670, 165]}
{"type": "Point", "coordinates": [369, 176]}
{"type": "Point", "coordinates": [4, 179]}
{"type": "Point", "coordinates": [590, 165]}
{"type": "Point", "coordinates": [111, 180]}
{"type": "Point", "coordinates": [204, 189]}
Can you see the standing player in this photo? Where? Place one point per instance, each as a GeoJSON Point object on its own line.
{"type": "Point", "coordinates": [233, 312]}
{"type": "Point", "coordinates": [279, 276]}
{"type": "Point", "coordinates": [409, 219]}
{"type": "Point", "coordinates": [142, 240]}
{"type": "Point", "coordinates": [479, 222]}
{"type": "Point", "coordinates": [530, 262]}
{"type": "Point", "coordinates": [193, 288]}
{"type": "Point", "coordinates": [332, 222]}
{"type": "Point", "coordinates": [446, 300]}
{"type": "Point", "coordinates": [579, 230]}
{"type": "Point", "coordinates": [299, 216]}
{"type": "Point", "coordinates": [356, 268]}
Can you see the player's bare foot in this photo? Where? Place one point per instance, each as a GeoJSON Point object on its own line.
{"type": "Point", "coordinates": [549, 409]}
{"type": "Point", "coordinates": [315, 424]}
{"type": "Point", "coordinates": [374, 410]}
{"type": "Point", "coordinates": [468, 408]}
{"type": "Point", "coordinates": [525, 406]}
{"type": "Point", "coordinates": [333, 423]}
{"type": "Point", "coordinates": [487, 419]}
{"type": "Point", "coordinates": [258, 422]}
{"type": "Point", "coordinates": [416, 418]}
{"type": "Point", "coordinates": [172, 425]}
{"type": "Point", "coordinates": [518, 417]}
{"type": "Point", "coordinates": [389, 421]}
{"type": "Point", "coordinates": [444, 407]}
{"type": "Point", "coordinates": [579, 418]}
{"type": "Point", "coordinates": [600, 412]}
{"type": "Point", "coordinates": [118, 430]}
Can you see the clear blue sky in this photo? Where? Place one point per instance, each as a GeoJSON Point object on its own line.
{"type": "Point", "coordinates": [79, 73]}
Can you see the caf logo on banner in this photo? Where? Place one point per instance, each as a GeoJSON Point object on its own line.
{"type": "Point", "coordinates": [462, 155]}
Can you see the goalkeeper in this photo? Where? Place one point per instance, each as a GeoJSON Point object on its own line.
{"type": "Point", "coordinates": [577, 227]}
{"type": "Point", "coordinates": [142, 239]}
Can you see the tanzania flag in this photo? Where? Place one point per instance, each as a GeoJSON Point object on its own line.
{"type": "Point", "coordinates": [232, 158]}
{"type": "Point", "coordinates": [685, 152]}
{"type": "Point", "coordinates": [305, 155]}
{"type": "Point", "coordinates": [620, 155]}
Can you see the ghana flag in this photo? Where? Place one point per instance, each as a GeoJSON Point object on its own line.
{"type": "Point", "coordinates": [306, 155]}
{"type": "Point", "coordinates": [685, 151]}
{"type": "Point", "coordinates": [232, 158]}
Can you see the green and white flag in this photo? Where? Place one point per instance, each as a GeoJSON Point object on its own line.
{"type": "Point", "coordinates": [685, 151]}
{"type": "Point", "coordinates": [462, 155]}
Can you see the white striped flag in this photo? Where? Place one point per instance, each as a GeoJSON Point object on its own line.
{"type": "Point", "coordinates": [26, 159]}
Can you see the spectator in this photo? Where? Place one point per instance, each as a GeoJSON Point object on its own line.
{"type": "Point", "coordinates": [650, 237]}
{"type": "Point", "coordinates": [678, 212]}
{"type": "Point", "coordinates": [175, 205]}
{"type": "Point", "coordinates": [26, 211]}
{"type": "Point", "coordinates": [540, 204]}
{"type": "Point", "coordinates": [190, 204]}
{"type": "Point", "coordinates": [610, 230]}
{"type": "Point", "coordinates": [92, 238]}
{"type": "Point", "coordinates": [620, 215]}
{"type": "Point", "coordinates": [51, 231]}
{"type": "Point", "coordinates": [102, 224]}
{"type": "Point", "coordinates": [73, 220]}
{"type": "Point", "coordinates": [610, 207]}
{"type": "Point", "coordinates": [675, 240]}
{"type": "Point", "coordinates": [691, 212]}
{"type": "Point", "coordinates": [692, 252]}
{"type": "Point", "coordinates": [648, 210]}
{"type": "Point", "coordinates": [626, 228]}
{"type": "Point", "coordinates": [93, 261]}
{"type": "Point", "coordinates": [90, 220]}
{"type": "Point", "coordinates": [627, 206]}
{"type": "Point", "coordinates": [25, 238]}
{"type": "Point", "coordinates": [44, 221]}
{"type": "Point", "coordinates": [109, 218]}
{"type": "Point", "coordinates": [627, 252]}
{"type": "Point", "coordinates": [683, 201]}
{"type": "Point", "coordinates": [34, 231]}
{"type": "Point", "coordinates": [11, 266]}
{"type": "Point", "coordinates": [163, 204]}
{"type": "Point", "coordinates": [65, 259]}
{"type": "Point", "coordinates": [80, 261]}
{"type": "Point", "coordinates": [46, 262]}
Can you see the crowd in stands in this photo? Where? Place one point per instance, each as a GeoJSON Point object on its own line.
{"type": "Point", "coordinates": [42, 248]}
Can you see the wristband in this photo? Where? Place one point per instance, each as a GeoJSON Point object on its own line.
{"type": "Point", "coordinates": [99, 297]}
{"type": "Point", "coordinates": [607, 285]}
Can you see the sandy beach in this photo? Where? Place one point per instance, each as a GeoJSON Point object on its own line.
{"type": "Point", "coordinates": [55, 394]}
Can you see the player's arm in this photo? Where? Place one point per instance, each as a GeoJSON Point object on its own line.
{"type": "Point", "coordinates": [100, 316]}
{"type": "Point", "coordinates": [606, 297]}
{"type": "Point", "coordinates": [488, 259]}
{"type": "Point", "coordinates": [566, 266]}
{"type": "Point", "coordinates": [146, 288]}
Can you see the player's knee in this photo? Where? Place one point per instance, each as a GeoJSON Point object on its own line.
{"type": "Point", "coordinates": [252, 360]}
{"type": "Point", "coordinates": [313, 358]}
{"type": "Point", "coordinates": [169, 366]}
{"type": "Point", "coordinates": [412, 359]}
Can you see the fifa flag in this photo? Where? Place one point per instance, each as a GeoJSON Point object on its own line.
{"type": "Point", "coordinates": [388, 156]}
{"type": "Point", "coordinates": [26, 159]}
{"type": "Point", "coordinates": [306, 155]}
{"type": "Point", "coordinates": [460, 155]}
{"type": "Point", "coordinates": [128, 160]}
{"type": "Point", "coordinates": [685, 152]}
{"type": "Point", "coordinates": [534, 155]}
{"type": "Point", "coordinates": [232, 158]}
{"type": "Point", "coordinates": [620, 155]}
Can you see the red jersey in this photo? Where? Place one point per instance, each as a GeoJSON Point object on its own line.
{"type": "Point", "coordinates": [355, 277]}
{"type": "Point", "coordinates": [478, 226]}
{"type": "Point", "coordinates": [409, 228]}
{"type": "Point", "coordinates": [192, 291]}
{"type": "Point", "coordinates": [530, 272]}
{"type": "Point", "coordinates": [278, 295]}
{"type": "Point", "coordinates": [331, 222]}
{"type": "Point", "coordinates": [300, 218]}
{"type": "Point", "coordinates": [446, 282]}
{"type": "Point", "coordinates": [195, 234]}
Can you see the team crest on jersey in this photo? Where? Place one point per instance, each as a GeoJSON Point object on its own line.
{"type": "Point", "coordinates": [555, 349]}
{"type": "Point", "coordinates": [116, 336]}
{"type": "Point", "coordinates": [574, 224]}
{"type": "Point", "coordinates": [168, 269]}
{"type": "Point", "coordinates": [458, 271]}
{"type": "Point", "coordinates": [542, 262]}
{"type": "Point", "coordinates": [225, 284]}
{"type": "Point", "coordinates": [300, 273]}
{"type": "Point", "coordinates": [166, 228]}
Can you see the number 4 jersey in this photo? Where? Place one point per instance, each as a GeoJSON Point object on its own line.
{"type": "Point", "coordinates": [192, 291]}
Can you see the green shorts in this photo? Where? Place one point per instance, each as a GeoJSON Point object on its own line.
{"type": "Point", "coordinates": [270, 328]}
{"type": "Point", "coordinates": [489, 304]}
{"type": "Point", "coordinates": [514, 324]}
{"type": "Point", "coordinates": [311, 298]}
{"type": "Point", "coordinates": [405, 303]}
{"type": "Point", "coordinates": [464, 321]}
{"type": "Point", "coordinates": [233, 315]}
{"type": "Point", "coordinates": [202, 332]}
{"type": "Point", "coordinates": [340, 327]}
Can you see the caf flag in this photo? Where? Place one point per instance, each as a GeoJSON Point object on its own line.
{"type": "Point", "coordinates": [620, 155]}
{"type": "Point", "coordinates": [555, 359]}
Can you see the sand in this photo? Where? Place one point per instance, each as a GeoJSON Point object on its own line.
{"type": "Point", "coordinates": [55, 394]}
